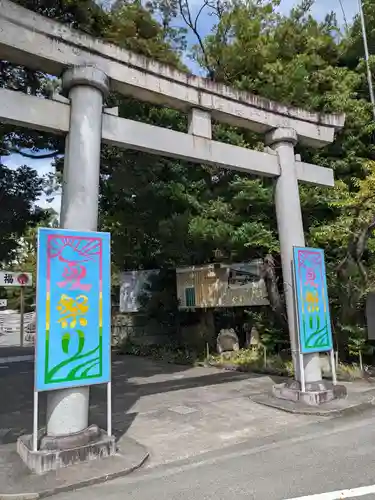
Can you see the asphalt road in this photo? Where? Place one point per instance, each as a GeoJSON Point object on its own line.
{"type": "Point", "coordinates": [321, 458]}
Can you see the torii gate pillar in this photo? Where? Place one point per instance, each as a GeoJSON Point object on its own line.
{"type": "Point", "coordinates": [86, 87]}
{"type": "Point", "coordinates": [290, 229]}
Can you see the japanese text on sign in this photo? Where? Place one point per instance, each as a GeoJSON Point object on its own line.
{"type": "Point", "coordinates": [73, 300]}
{"type": "Point", "coordinates": [11, 278]}
{"type": "Point", "coordinates": [312, 300]}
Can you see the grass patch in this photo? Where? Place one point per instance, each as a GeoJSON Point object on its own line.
{"type": "Point", "coordinates": [167, 353]}
{"type": "Point", "coordinates": [246, 360]}
{"type": "Point", "coordinates": [348, 372]}
{"type": "Point", "coordinates": [254, 360]}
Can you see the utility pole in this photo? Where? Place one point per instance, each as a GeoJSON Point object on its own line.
{"type": "Point", "coordinates": [367, 56]}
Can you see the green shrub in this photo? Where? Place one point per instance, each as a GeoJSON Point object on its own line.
{"type": "Point", "coordinates": [349, 372]}
{"type": "Point", "coordinates": [254, 360]}
{"type": "Point", "coordinates": [167, 353]}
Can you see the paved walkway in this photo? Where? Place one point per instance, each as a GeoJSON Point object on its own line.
{"type": "Point", "coordinates": [176, 411]}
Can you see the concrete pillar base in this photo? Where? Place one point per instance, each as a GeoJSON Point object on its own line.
{"type": "Point", "coordinates": [316, 393]}
{"type": "Point", "coordinates": [62, 451]}
{"type": "Point", "coordinates": [74, 440]}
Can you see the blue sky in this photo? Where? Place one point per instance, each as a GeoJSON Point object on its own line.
{"type": "Point", "coordinates": [321, 7]}
{"type": "Point", "coordinates": [319, 10]}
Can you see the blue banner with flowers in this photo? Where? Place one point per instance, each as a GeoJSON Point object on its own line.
{"type": "Point", "coordinates": [314, 319]}
{"type": "Point", "coordinates": [73, 309]}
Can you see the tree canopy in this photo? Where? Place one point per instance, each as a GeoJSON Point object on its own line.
{"type": "Point", "coordinates": [166, 213]}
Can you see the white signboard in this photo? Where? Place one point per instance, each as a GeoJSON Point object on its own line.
{"type": "Point", "coordinates": [3, 302]}
{"type": "Point", "coordinates": [221, 285]}
{"type": "Point", "coordinates": [133, 284]}
{"type": "Point", "coordinates": [11, 278]}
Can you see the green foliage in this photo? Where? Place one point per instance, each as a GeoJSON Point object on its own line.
{"type": "Point", "coordinates": [356, 345]}
{"type": "Point", "coordinates": [85, 15]}
{"type": "Point", "coordinates": [134, 28]}
{"type": "Point", "coordinates": [158, 299]}
{"type": "Point", "coordinates": [164, 213]}
{"type": "Point", "coordinates": [349, 372]}
{"type": "Point", "coordinates": [19, 189]}
{"type": "Point", "coordinates": [167, 353]}
{"type": "Point", "coordinates": [300, 61]}
{"type": "Point", "coordinates": [25, 259]}
{"type": "Point", "coordinates": [272, 337]}
{"type": "Point", "coordinates": [253, 360]}
{"type": "Point", "coordinates": [129, 25]}
{"type": "Point", "coordinates": [357, 342]}
{"type": "Point", "coordinates": [350, 240]}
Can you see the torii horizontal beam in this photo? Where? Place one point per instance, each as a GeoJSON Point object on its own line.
{"type": "Point", "coordinates": [34, 41]}
{"type": "Point", "coordinates": [53, 116]}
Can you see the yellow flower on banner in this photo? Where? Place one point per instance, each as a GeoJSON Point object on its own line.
{"type": "Point", "coordinates": [72, 311]}
{"type": "Point", "coordinates": [312, 299]}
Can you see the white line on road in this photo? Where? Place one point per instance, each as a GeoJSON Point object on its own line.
{"type": "Point", "coordinates": [16, 359]}
{"type": "Point", "coordinates": [338, 495]}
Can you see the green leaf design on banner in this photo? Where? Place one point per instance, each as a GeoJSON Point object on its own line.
{"type": "Point", "coordinates": [73, 373]}
{"type": "Point", "coordinates": [68, 361]}
{"type": "Point", "coordinates": [65, 340]}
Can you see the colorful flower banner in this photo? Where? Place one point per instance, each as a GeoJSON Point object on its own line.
{"type": "Point", "coordinates": [312, 300]}
{"type": "Point", "coordinates": [73, 309]}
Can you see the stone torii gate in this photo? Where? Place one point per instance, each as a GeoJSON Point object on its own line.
{"type": "Point", "coordinates": [90, 69]}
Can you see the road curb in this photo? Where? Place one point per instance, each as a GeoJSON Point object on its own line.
{"type": "Point", "coordinates": [133, 453]}
{"type": "Point", "coordinates": [336, 409]}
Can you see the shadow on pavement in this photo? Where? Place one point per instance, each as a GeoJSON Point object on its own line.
{"type": "Point", "coordinates": [132, 378]}
{"type": "Point", "coordinates": [127, 391]}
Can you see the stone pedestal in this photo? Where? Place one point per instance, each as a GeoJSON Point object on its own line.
{"type": "Point", "coordinates": [62, 451]}
{"type": "Point", "coordinates": [17, 483]}
{"type": "Point", "coordinates": [316, 393]}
